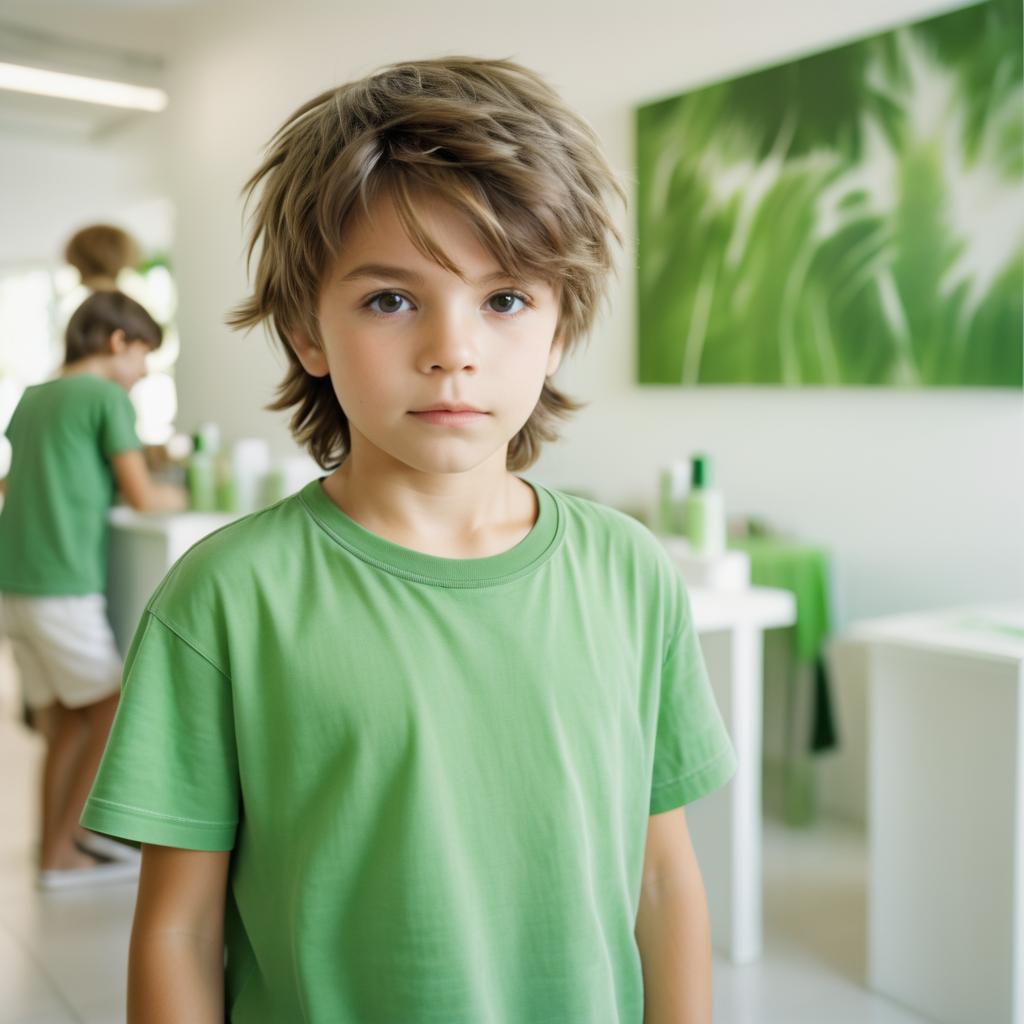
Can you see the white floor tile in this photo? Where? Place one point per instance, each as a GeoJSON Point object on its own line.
{"type": "Point", "coordinates": [103, 1011]}
{"type": "Point", "coordinates": [43, 1018]}
{"type": "Point", "coordinates": [26, 993]}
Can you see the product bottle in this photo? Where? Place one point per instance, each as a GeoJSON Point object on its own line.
{"type": "Point", "coordinates": [672, 499]}
{"type": "Point", "coordinates": [705, 511]}
{"type": "Point", "coordinates": [200, 476]}
{"type": "Point", "coordinates": [224, 476]}
{"type": "Point", "coordinates": [250, 464]}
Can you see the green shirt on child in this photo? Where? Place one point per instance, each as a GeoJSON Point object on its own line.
{"type": "Point", "coordinates": [434, 774]}
{"type": "Point", "coordinates": [53, 526]}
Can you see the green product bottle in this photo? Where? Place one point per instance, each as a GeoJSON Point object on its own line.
{"type": "Point", "coordinates": [227, 496]}
{"type": "Point", "coordinates": [705, 511]}
{"type": "Point", "coordinates": [201, 477]}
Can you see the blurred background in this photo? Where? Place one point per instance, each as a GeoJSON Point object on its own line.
{"type": "Point", "coordinates": [889, 507]}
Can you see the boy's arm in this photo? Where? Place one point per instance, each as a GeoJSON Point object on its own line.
{"type": "Point", "coordinates": [673, 932]}
{"type": "Point", "coordinates": [176, 961]}
{"type": "Point", "coordinates": [140, 490]}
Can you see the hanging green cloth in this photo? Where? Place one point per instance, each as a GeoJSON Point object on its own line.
{"type": "Point", "coordinates": [811, 727]}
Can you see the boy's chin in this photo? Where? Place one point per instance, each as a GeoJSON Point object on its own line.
{"type": "Point", "coordinates": [450, 459]}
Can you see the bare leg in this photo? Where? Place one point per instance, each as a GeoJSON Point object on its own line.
{"type": "Point", "coordinates": [45, 720]}
{"type": "Point", "coordinates": [59, 850]}
{"type": "Point", "coordinates": [67, 730]}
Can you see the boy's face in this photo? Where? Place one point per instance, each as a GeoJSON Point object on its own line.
{"type": "Point", "coordinates": [128, 359]}
{"type": "Point", "coordinates": [402, 335]}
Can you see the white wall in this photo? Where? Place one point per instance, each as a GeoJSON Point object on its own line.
{"type": "Point", "coordinates": [919, 495]}
{"type": "Point", "coordinates": [51, 185]}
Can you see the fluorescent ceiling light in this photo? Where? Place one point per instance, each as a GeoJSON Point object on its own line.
{"type": "Point", "coordinates": [19, 78]}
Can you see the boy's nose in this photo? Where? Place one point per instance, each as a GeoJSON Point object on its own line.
{"type": "Point", "coordinates": [449, 343]}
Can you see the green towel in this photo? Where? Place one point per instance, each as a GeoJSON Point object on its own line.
{"type": "Point", "coordinates": [811, 727]}
{"type": "Point", "coordinates": [804, 571]}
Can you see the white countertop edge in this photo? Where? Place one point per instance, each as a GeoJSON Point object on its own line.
{"type": "Point", "coordinates": [938, 631]}
{"type": "Point", "coordinates": [160, 524]}
{"type": "Point", "coordinates": [753, 607]}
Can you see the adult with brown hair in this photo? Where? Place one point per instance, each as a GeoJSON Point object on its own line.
{"type": "Point", "coordinates": [99, 253]}
{"type": "Point", "coordinates": [413, 743]}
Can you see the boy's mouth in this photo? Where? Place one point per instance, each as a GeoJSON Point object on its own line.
{"type": "Point", "coordinates": [448, 407]}
{"type": "Point", "coordinates": [453, 415]}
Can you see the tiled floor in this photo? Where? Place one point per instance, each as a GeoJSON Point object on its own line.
{"type": "Point", "coordinates": [63, 955]}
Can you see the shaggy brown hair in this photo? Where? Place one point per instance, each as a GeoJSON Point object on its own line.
{"type": "Point", "coordinates": [91, 325]}
{"type": "Point", "coordinates": [101, 251]}
{"type": "Point", "coordinates": [489, 137]}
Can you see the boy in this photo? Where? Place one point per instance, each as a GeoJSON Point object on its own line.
{"type": "Point", "coordinates": [72, 438]}
{"type": "Point", "coordinates": [400, 741]}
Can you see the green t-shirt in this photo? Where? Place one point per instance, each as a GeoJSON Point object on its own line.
{"type": "Point", "coordinates": [435, 774]}
{"type": "Point", "coordinates": [53, 527]}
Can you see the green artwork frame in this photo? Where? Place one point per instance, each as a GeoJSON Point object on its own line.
{"type": "Point", "coordinates": [849, 219]}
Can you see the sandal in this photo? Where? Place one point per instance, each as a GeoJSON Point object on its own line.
{"type": "Point", "coordinates": [105, 848]}
{"type": "Point", "coordinates": [100, 873]}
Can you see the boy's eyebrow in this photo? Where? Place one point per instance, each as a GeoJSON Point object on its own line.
{"type": "Point", "coordinates": [403, 274]}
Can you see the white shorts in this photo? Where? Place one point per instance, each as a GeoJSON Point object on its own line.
{"type": "Point", "coordinates": [63, 647]}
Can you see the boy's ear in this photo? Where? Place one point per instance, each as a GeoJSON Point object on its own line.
{"type": "Point", "coordinates": [309, 353]}
{"type": "Point", "coordinates": [555, 356]}
{"type": "Point", "coordinates": [118, 342]}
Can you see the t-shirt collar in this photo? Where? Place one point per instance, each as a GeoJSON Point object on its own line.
{"type": "Point", "coordinates": [534, 549]}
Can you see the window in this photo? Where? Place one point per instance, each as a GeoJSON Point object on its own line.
{"type": "Point", "coordinates": [35, 305]}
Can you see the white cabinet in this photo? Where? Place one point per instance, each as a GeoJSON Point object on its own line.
{"type": "Point", "coordinates": [946, 812]}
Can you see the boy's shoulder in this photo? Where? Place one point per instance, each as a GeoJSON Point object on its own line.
{"type": "Point", "coordinates": [625, 548]}
{"type": "Point", "coordinates": [230, 556]}
{"type": "Point", "coordinates": [77, 387]}
{"type": "Point", "coordinates": [624, 555]}
{"type": "Point", "coordinates": [223, 580]}
{"type": "Point", "coordinates": [72, 395]}
{"type": "Point", "coordinates": [592, 510]}
{"type": "Point", "coordinates": [86, 383]}
{"type": "Point", "coordinates": [592, 518]}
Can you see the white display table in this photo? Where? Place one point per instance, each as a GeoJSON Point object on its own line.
{"type": "Point", "coordinates": [726, 826]}
{"type": "Point", "coordinates": [946, 812]}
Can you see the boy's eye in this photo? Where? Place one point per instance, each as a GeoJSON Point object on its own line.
{"type": "Point", "coordinates": [505, 302]}
{"type": "Point", "coordinates": [387, 302]}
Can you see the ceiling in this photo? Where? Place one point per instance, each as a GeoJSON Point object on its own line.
{"type": "Point", "coordinates": [124, 40]}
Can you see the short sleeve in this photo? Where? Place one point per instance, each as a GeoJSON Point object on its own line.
{"type": "Point", "coordinates": [169, 775]}
{"type": "Point", "coordinates": [118, 429]}
{"type": "Point", "coordinates": [11, 429]}
{"type": "Point", "coordinates": [692, 754]}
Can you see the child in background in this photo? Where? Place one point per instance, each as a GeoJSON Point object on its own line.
{"type": "Point", "coordinates": [99, 252]}
{"type": "Point", "coordinates": [73, 438]}
{"type": "Point", "coordinates": [414, 742]}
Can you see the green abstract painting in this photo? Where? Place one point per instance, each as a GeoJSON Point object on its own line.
{"type": "Point", "coordinates": [850, 219]}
